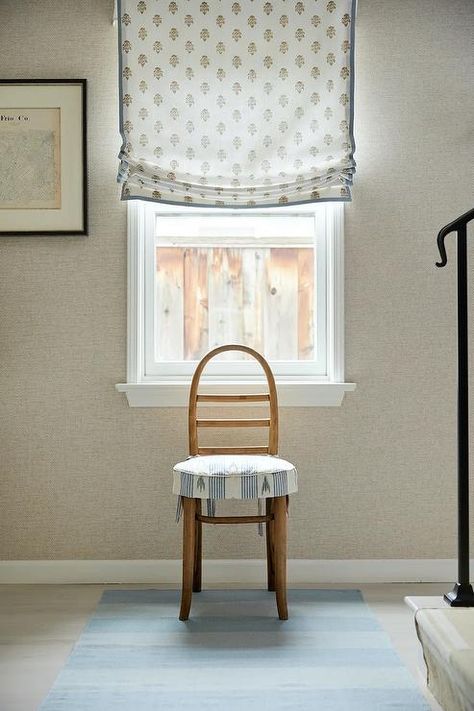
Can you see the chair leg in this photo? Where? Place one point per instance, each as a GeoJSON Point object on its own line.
{"type": "Point", "coordinates": [189, 536]}
{"type": "Point", "coordinates": [270, 547]}
{"type": "Point", "coordinates": [280, 542]}
{"type": "Point", "coordinates": [197, 576]}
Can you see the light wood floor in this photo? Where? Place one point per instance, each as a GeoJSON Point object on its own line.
{"type": "Point", "coordinates": [39, 624]}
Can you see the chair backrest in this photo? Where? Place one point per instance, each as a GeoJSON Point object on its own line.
{"type": "Point", "coordinates": [271, 422]}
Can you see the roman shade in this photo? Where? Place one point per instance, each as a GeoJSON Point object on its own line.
{"type": "Point", "coordinates": [236, 104]}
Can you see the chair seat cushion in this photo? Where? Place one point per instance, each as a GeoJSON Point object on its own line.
{"type": "Point", "coordinates": [234, 476]}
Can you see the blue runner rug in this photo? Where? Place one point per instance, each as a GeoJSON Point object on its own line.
{"type": "Point", "coordinates": [234, 654]}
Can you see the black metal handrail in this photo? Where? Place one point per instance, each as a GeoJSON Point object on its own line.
{"type": "Point", "coordinates": [453, 226]}
{"type": "Point", "coordinates": [462, 594]}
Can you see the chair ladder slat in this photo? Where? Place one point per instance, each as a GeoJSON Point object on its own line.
{"type": "Point", "coordinates": [232, 450]}
{"type": "Point", "coordinates": [256, 422]}
{"type": "Point", "coordinates": [253, 397]}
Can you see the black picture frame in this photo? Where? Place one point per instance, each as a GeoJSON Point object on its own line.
{"type": "Point", "coordinates": [78, 193]}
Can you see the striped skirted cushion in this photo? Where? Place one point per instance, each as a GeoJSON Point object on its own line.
{"type": "Point", "coordinates": [234, 476]}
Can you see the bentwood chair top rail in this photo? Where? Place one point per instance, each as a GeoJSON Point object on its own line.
{"type": "Point", "coordinates": [196, 423]}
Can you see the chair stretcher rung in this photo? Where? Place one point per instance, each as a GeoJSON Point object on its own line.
{"type": "Point", "coordinates": [253, 397]}
{"type": "Point", "coordinates": [256, 422]}
{"type": "Point", "coordinates": [234, 519]}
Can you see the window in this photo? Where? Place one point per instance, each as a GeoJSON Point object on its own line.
{"type": "Point", "coordinates": [253, 279]}
{"type": "Point", "coordinates": [270, 279]}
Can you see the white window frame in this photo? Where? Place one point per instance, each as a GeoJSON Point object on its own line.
{"type": "Point", "coordinates": [297, 385]}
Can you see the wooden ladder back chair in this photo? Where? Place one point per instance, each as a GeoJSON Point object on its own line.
{"type": "Point", "coordinates": [275, 517]}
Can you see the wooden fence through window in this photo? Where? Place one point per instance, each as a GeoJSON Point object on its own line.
{"type": "Point", "coordinates": [263, 298]}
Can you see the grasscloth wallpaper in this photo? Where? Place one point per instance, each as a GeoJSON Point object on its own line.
{"type": "Point", "coordinates": [85, 476]}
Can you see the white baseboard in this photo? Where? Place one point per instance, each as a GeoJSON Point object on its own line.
{"type": "Point", "coordinates": [247, 572]}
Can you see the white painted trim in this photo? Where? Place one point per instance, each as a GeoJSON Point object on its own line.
{"type": "Point", "coordinates": [335, 296]}
{"type": "Point", "coordinates": [246, 572]}
{"type": "Point", "coordinates": [423, 602]}
{"type": "Point", "coordinates": [298, 390]}
{"type": "Point", "coordinates": [135, 287]}
{"type": "Point", "coordinates": [324, 233]}
{"type": "Point", "coordinates": [290, 394]}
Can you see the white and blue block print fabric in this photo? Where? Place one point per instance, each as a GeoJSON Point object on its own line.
{"type": "Point", "coordinates": [234, 476]}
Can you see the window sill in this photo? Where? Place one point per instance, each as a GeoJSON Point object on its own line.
{"type": "Point", "coordinates": [290, 393]}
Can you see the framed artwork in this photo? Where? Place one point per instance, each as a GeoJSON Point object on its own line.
{"type": "Point", "coordinates": [43, 169]}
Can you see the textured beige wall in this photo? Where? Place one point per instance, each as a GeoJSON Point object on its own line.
{"type": "Point", "coordinates": [84, 476]}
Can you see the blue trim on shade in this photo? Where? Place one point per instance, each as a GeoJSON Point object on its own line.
{"type": "Point", "coordinates": [204, 206]}
{"type": "Point", "coordinates": [352, 88]}
{"type": "Point", "coordinates": [120, 69]}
